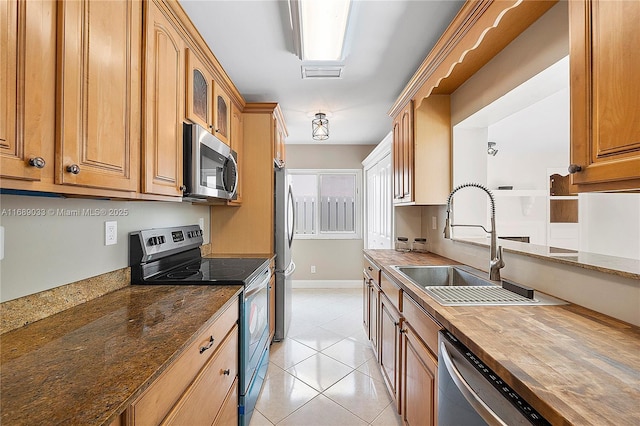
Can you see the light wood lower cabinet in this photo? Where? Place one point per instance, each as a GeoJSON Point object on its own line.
{"type": "Point", "coordinates": [371, 302]}
{"type": "Point", "coordinates": [389, 347]}
{"type": "Point", "coordinates": [198, 387]}
{"type": "Point", "coordinates": [203, 400]}
{"type": "Point", "coordinates": [419, 381]}
{"type": "Point", "coordinates": [228, 415]}
{"type": "Point", "coordinates": [405, 339]}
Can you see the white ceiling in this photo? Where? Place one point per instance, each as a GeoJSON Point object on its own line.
{"type": "Point", "coordinates": [387, 41]}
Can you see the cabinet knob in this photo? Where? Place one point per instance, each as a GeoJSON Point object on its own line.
{"type": "Point", "coordinates": [37, 162]}
{"type": "Point", "coordinates": [73, 169]}
{"type": "Point", "coordinates": [183, 188]}
{"type": "Point", "coordinates": [574, 168]}
{"type": "Point", "coordinates": [226, 372]}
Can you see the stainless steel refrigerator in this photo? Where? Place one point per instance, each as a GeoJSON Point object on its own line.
{"type": "Point", "coordinates": [284, 231]}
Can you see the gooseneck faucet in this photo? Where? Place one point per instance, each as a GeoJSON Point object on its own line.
{"type": "Point", "coordinates": [495, 263]}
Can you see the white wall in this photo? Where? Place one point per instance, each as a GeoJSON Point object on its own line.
{"type": "Point", "coordinates": [529, 142]}
{"type": "Point", "coordinates": [610, 224]}
{"type": "Point", "coordinates": [48, 251]}
{"type": "Point", "coordinates": [334, 259]}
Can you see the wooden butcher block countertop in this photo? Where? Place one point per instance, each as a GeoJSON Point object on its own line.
{"type": "Point", "coordinates": [574, 365]}
{"type": "Point", "coordinates": [85, 365]}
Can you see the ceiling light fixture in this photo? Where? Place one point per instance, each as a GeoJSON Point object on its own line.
{"type": "Point", "coordinates": [319, 28]}
{"type": "Point", "coordinates": [320, 127]}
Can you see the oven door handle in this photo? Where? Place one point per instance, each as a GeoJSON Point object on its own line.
{"type": "Point", "coordinates": [469, 394]}
{"type": "Point", "coordinates": [258, 284]}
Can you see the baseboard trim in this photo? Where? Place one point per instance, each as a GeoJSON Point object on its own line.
{"type": "Point", "coordinates": [326, 283]}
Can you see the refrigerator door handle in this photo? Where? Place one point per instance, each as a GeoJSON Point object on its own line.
{"type": "Point", "coordinates": [290, 269]}
{"type": "Point", "coordinates": [291, 216]}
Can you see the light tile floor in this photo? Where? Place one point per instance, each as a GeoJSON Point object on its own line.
{"type": "Point", "coordinates": [324, 373]}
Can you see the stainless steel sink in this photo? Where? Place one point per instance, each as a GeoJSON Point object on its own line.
{"type": "Point", "coordinates": [426, 276]}
{"type": "Point", "coordinates": [464, 286]}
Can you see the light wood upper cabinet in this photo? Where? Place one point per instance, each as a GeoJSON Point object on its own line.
{"type": "Point", "coordinates": [98, 123]}
{"type": "Point", "coordinates": [403, 156]}
{"type": "Point", "coordinates": [237, 144]}
{"type": "Point", "coordinates": [250, 229]}
{"type": "Point", "coordinates": [199, 92]}
{"type": "Point", "coordinates": [164, 101]}
{"type": "Point", "coordinates": [422, 152]}
{"type": "Point", "coordinates": [27, 90]}
{"type": "Point", "coordinates": [222, 114]}
{"type": "Point", "coordinates": [605, 96]}
{"type": "Point", "coordinates": [279, 136]}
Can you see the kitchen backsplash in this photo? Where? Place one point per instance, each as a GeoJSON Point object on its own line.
{"type": "Point", "coordinates": [50, 242]}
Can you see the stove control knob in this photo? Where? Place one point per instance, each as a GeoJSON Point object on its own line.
{"type": "Point", "coordinates": [153, 241]}
{"type": "Point", "coordinates": [162, 239]}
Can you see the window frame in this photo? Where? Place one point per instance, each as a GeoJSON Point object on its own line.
{"type": "Point", "coordinates": [358, 219]}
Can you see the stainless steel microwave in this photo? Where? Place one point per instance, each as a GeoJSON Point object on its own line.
{"type": "Point", "coordinates": [210, 167]}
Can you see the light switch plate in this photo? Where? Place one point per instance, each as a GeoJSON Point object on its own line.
{"type": "Point", "coordinates": [110, 233]}
{"type": "Point", "coordinates": [434, 222]}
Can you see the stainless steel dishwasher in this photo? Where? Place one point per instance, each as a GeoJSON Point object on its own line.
{"type": "Point", "coordinates": [470, 393]}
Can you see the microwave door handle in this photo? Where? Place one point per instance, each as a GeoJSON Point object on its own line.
{"type": "Point", "coordinates": [235, 183]}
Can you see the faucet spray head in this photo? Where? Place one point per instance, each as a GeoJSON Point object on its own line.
{"type": "Point", "coordinates": [447, 228]}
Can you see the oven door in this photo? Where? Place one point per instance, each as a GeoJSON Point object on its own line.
{"type": "Point", "coordinates": [255, 330]}
{"type": "Point", "coordinates": [210, 167]}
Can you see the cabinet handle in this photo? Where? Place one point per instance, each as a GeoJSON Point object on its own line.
{"type": "Point", "coordinates": [37, 162]}
{"type": "Point", "coordinates": [204, 348]}
{"type": "Point", "coordinates": [226, 372]}
{"type": "Point", "coordinates": [74, 169]}
{"type": "Point", "coordinates": [183, 188]}
{"type": "Point", "coordinates": [574, 168]}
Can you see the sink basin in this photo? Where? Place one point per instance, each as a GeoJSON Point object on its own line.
{"type": "Point", "coordinates": [426, 276]}
{"type": "Point", "coordinates": [464, 286]}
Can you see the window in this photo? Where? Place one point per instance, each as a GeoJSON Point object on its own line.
{"type": "Point", "coordinates": [327, 203]}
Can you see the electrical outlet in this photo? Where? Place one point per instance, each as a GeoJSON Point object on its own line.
{"type": "Point", "coordinates": [313, 269]}
{"type": "Point", "coordinates": [110, 233]}
{"type": "Point", "coordinates": [434, 222]}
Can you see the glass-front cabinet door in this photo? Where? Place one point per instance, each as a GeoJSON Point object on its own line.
{"type": "Point", "coordinates": [221, 113]}
{"type": "Point", "coordinates": [199, 92]}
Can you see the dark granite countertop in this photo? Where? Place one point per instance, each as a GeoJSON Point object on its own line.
{"type": "Point", "coordinates": [574, 365]}
{"type": "Point", "coordinates": [86, 364]}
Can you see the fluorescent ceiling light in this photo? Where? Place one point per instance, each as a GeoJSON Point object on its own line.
{"type": "Point", "coordinates": [322, 26]}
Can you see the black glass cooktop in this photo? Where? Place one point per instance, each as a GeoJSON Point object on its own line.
{"type": "Point", "coordinates": [213, 271]}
